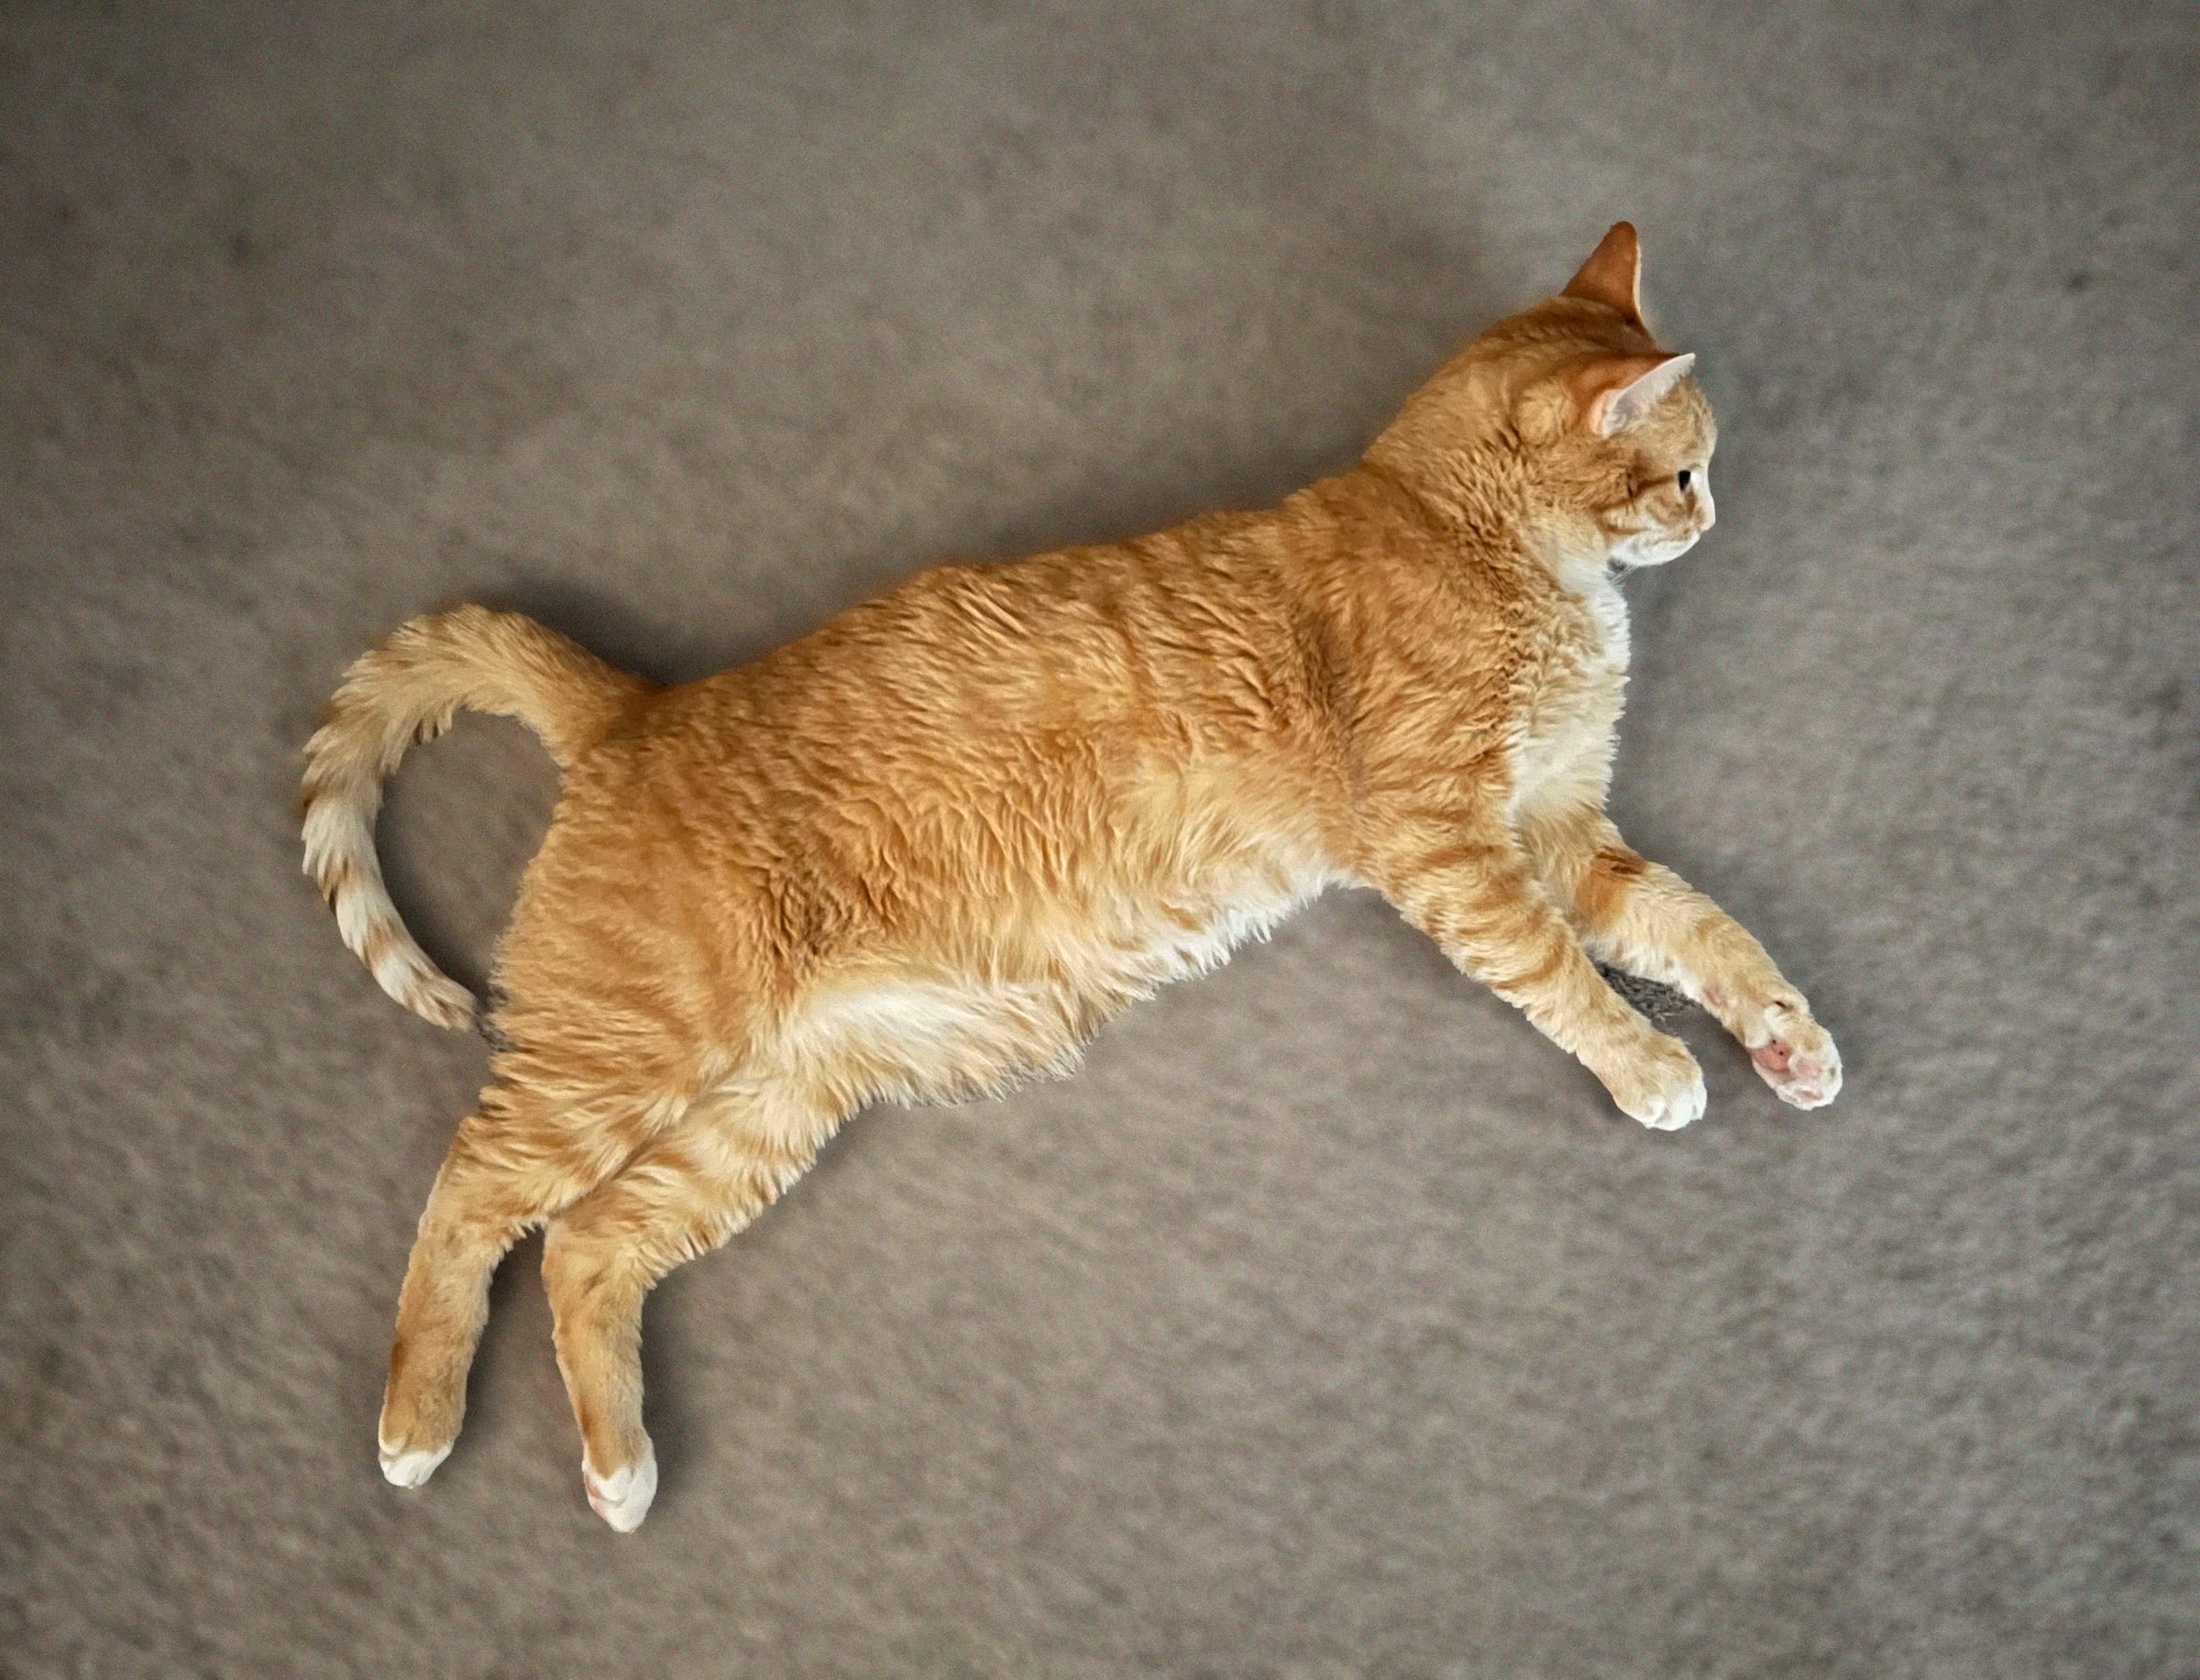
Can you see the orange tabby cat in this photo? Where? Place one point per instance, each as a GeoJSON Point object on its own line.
{"type": "Point", "coordinates": [928, 850]}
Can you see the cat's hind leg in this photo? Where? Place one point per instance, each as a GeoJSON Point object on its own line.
{"type": "Point", "coordinates": [682, 1195]}
{"type": "Point", "coordinates": [512, 1165]}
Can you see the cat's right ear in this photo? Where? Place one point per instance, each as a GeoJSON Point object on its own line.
{"type": "Point", "coordinates": [1613, 275]}
{"type": "Point", "coordinates": [1614, 392]}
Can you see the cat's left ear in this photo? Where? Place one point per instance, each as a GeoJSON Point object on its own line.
{"type": "Point", "coordinates": [1613, 275]}
{"type": "Point", "coordinates": [1614, 392]}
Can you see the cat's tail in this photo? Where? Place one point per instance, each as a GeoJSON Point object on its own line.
{"type": "Point", "coordinates": [408, 689]}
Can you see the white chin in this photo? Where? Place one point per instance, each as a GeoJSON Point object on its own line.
{"type": "Point", "coordinates": [1634, 554]}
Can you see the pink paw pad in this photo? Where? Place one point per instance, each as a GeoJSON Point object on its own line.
{"type": "Point", "coordinates": [1803, 1080]}
{"type": "Point", "coordinates": [1777, 1058]}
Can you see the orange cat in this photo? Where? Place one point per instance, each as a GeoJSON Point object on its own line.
{"type": "Point", "coordinates": [928, 850]}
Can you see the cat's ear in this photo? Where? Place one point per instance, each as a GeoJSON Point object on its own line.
{"type": "Point", "coordinates": [1611, 274]}
{"type": "Point", "coordinates": [1614, 392]}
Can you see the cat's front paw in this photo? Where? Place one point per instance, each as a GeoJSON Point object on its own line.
{"type": "Point", "coordinates": [1656, 1081]}
{"type": "Point", "coordinates": [1793, 1053]}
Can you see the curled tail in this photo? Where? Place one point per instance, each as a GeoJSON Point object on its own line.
{"type": "Point", "coordinates": [408, 689]}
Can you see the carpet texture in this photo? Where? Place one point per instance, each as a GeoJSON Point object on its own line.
{"type": "Point", "coordinates": [1330, 1322]}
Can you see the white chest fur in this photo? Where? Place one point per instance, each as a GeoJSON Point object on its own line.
{"type": "Point", "coordinates": [1566, 746]}
{"type": "Point", "coordinates": [1608, 609]}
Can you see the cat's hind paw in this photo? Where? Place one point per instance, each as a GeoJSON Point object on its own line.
{"type": "Point", "coordinates": [410, 1469]}
{"type": "Point", "coordinates": [623, 1498]}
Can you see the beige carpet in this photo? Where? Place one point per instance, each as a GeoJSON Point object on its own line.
{"type": "Point", "coordinates": [1330, 1322]}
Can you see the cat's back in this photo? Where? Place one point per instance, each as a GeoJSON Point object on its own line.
{"type": "Point", "coordinates": [1142, 646]}
{"type": "Point", "coordinates": [1027, 716]}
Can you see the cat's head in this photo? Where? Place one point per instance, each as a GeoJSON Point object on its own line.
{"type": "Point", "coordinates": [1569, 418]}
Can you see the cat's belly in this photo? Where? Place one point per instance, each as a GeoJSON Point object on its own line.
{"type": "Point", "coordinates": [934, 1037]}
{"type": "Point", "coordinates": [1162, 942]}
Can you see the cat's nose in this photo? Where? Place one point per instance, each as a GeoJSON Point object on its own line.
{"type": "Point", "coordinates": [1707, 509]}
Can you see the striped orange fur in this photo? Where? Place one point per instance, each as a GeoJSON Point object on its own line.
{"type": "Point", "coordinates": [929, 849]}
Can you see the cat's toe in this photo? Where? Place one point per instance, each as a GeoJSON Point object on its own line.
{"type": "Point", "coordinates": [1807, 1088]}
{"type": "Point", "coordinates": [623, 1498]}
{"type": "Point", "coordinates": [409, 1468]}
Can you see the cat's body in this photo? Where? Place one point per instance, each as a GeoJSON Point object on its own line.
{"type": "Point", "coordinates": [928, 850]}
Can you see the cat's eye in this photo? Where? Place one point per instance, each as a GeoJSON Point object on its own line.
{"type": "Point", "coordinates": [1681, 479]}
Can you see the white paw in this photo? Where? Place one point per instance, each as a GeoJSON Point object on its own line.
{"type": "Point", "coordinates": [1676, 1106]}
{"type": "Point", "coordinates": [1657, 1082]}
{"type": "Point", "coordinates": [410, 1469]}
{"type": "Point", "coordinates": [621, 1499]}
{"type": "Point", "coordinates": [1797, 1057]}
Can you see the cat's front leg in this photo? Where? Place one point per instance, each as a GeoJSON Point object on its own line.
{"type": "Point", "coordinates": [1644, 919]}
{"type": "Point", "coordinates": [1469, 887]}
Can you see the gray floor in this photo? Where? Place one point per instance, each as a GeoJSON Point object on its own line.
{"type": "Point", "coordinates": [1330, 1322]}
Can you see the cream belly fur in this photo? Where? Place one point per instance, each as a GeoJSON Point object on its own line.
{"type": "Point", "coordinates": [941, 1038]}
